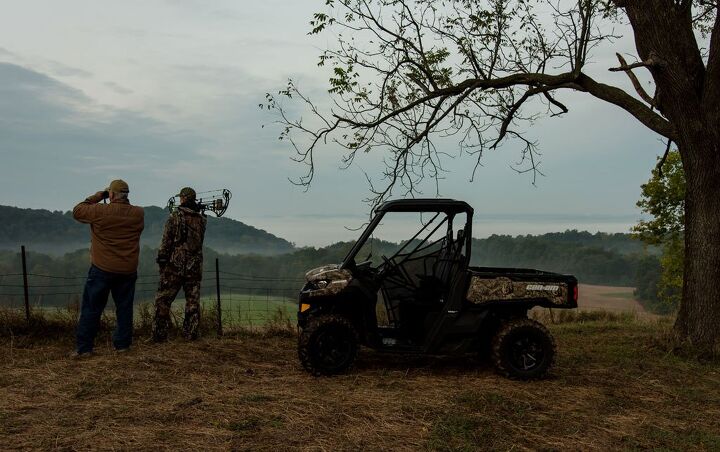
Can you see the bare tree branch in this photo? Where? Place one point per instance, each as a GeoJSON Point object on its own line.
{"type": "Point", "coordinates": [633, 78]}
{"type": "Point", "coordinates": [661, 163]}
{"type": "Point", "coordinates": [640, 111]}
{"type": "Point", "coordinates": [406, 73]}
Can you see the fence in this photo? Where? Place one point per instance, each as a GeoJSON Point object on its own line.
{"type": "Point", "coordinates": [237, 299]}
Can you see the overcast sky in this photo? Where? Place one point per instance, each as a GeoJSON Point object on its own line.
{"type": "Point", "coordinates": [165, 94]}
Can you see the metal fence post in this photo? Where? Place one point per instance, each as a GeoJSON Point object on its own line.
{"type": "Point", "coordinates": [219, 305]}
{"type": "Point", "coordinates": [25, 284]}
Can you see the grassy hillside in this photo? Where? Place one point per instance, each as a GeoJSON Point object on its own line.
{"type": "Point", "coordinates": [615, 387]}
{"type": "Point", "coordinates": [57, 233]}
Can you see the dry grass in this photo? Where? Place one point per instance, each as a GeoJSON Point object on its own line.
{"type": "Point", "coordinates": [614, 387]}
{"type": "Point", "coordinates": [611, 298]}
{"type": "Point", "coordinates": [47, 325]}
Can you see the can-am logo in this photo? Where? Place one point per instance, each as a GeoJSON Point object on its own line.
{"type": "Point", "coordinates": [541, 287]}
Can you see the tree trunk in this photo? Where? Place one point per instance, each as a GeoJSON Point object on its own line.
{"type": "Point", "coordinates": [698, 320]}
{"type": "Point", "coordinates": [688, 95]}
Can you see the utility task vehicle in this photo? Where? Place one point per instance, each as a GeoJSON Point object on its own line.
{"type": "Point", "coordinates": [422, 296]}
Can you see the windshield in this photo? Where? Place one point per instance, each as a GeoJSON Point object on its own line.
{"type": "Point", "coordinates": [397, 234]}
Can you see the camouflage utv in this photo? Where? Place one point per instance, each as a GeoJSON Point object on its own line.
{"type": "Point", "coordinates": [421, 296]}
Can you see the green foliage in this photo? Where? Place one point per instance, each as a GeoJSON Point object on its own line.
{"type": "Point", "coordinates": [600, 258]}
{"type": "Point", "coordinates": [663, 197]}
{"type": "Point", "coordinates": [647, 276]}
{"type": "Point", "coordinates": [671, 278]}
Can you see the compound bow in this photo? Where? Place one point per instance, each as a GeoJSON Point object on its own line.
{"type": "Point", "coordinates": [215, 201]}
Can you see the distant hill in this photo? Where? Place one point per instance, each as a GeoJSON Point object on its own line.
{"type": "Point", "coordinates": [55, 232]}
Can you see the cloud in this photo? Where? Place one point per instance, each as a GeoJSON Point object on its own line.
{"type": "Point", "coordinates": [56, 134]}
{"type": "Point", "coordinates": [6, 53]}
{"type": "Point", "coordinates": [55, 68]}
{"type": "Point", "coordinates": [58, 144]}
{"type": "Point", "coordinates": [117, 88]}
{"type": "Point", "coordinates": [63, 70]}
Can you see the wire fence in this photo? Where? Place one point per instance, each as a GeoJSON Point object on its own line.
{"type": "Point", "coordinates": [242, 300]}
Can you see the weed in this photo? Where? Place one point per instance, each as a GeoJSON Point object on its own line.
{"type": "Point", "coordinates": [257, 398]}
{"type": "Point", "coordinates": [243, 425]}
{"type": "Point", "coordinates": [454, 431]}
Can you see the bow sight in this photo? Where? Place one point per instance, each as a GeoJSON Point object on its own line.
{"type": "Point", "coordinates": [215, 201]}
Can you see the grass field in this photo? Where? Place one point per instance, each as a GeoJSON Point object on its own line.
{"type": "Point", "coordinates": [615, 387]}
{"type": "Point", "coordinates": [250, 309]}
{"type": "Point", "coordinates": [239, 309]}
{"type": "Point", "coordinates": [610, 298]}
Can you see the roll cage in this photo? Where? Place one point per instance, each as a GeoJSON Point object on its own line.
{"type": "Point", "coordinates": [450, 207]}
{"type": "Point", "coordinates": [416, 279]}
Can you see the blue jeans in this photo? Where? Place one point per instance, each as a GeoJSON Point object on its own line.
{"type": "Point", "coordinates": [98, 286]}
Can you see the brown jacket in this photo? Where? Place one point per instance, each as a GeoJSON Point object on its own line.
{"type": "Point", "coordinates": [115, 230]}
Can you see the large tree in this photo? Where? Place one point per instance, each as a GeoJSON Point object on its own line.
{"type": "Point", "coordinates": [408, 72]}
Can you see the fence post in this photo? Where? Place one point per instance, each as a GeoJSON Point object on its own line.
{"type": "Point", "coordinates": [219, 305]}
{"type": "Point", "coordinates": [25, 284]}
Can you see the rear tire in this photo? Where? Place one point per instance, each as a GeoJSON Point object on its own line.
{"type": "Point", "coordinates": [328, 345]}
{"type": "Point", "coordinates": [523, 349]}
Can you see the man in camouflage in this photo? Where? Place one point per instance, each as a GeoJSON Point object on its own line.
{"type": "Point", "coordinates": [180, 259]}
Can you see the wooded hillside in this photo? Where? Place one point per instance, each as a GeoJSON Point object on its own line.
{"type": "Point", "coordinates": [57, 233]}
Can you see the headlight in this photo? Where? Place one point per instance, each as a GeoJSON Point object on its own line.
{"type": "Point", "coordinates": [321, 284]}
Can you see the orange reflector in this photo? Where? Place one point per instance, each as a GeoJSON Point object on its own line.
{"type": "Point", "coordinates": [575, 293]}
{"type": "Point", "coordinates": [304, 307]}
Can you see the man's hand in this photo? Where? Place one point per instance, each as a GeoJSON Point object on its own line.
{"type": "Point", "coordinates": [97, 197]}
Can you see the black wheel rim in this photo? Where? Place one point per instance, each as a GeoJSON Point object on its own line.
{"type": "Point", "coordinates": [526, 352]}
{"type": "Point", "coordinates": [334, 348]}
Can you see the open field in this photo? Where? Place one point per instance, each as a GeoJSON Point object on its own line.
{"type": "Point", "coordinates": [256, 308]}
{"type": "Point", "coordinates": [609, 298]}
{"type": "Point", "coordinates": [249, 310]}
{"type": "Point", "coordinates": [239, 309]}
{"type": "Point", "coordinates": [614, 387]}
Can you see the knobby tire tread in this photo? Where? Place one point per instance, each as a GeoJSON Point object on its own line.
{"type": "Point", "coordinates": [497, 352]}
{"type": "Point", "coordinates": [307, 335]}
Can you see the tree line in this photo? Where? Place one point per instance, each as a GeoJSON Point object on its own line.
{"type": "Point", "coordinates": [600, 258]}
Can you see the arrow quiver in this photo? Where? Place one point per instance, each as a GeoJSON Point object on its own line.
{"type": "Point", "coordinates": [215, 201]}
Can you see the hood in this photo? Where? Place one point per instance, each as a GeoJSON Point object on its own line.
{"type": "Point", "coordinates": [328, 273]}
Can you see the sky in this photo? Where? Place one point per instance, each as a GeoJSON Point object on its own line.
{"type": "Point", "coordinates": [165, 94]}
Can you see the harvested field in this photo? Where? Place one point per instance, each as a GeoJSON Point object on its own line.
{"type": "Point", "coordinates": [610, 298]}
{"type": "Point", "coordinates": [614, 387]}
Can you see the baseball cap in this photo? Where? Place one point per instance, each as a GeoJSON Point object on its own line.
{"type": "Point", "coordinates": [119, 186]}
{"type": "Point", "coordinates": [187, 193]}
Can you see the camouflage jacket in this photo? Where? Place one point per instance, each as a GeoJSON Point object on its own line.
{"type": "Point", "coordinates": [182, 242]}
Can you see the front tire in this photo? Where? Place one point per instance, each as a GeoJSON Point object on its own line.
{"type": "Point", "coordinates": [328, 345]}
{"type": "Point", "coordinates": [523, 349]}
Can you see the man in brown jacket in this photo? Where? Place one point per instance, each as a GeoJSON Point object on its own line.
{"type": "Point", "coordinates": [115, 230]}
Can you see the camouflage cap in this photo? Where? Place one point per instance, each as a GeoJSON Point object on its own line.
{"type": "Point", "coordinates": [118, 186]}
{"type": "Point", "coordinates": [187, 193]}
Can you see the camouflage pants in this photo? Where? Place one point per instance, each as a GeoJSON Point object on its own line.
{"type": "Point", "coordinates": [170, 284]}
